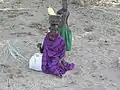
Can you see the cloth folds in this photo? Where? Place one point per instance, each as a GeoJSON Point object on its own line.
{"type": "Point", "coordinates": [53, 51]}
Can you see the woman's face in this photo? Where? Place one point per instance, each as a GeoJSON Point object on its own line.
{"type": "Point", "coordinates": [64, 4]}
{"type": "Point", "coordinates": [52, 35]}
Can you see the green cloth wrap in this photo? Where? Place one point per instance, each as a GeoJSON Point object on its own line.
{"type": "Point", "coordinates": [66, 33]}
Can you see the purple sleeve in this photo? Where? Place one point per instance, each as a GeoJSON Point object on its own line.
{"type": "Point", "coordinates": [44, 57]}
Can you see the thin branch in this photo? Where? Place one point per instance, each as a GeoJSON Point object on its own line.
{"type": "Point", "coordinates": [18, 9]}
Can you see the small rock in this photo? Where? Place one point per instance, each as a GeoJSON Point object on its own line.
{"type": "Point", "coordinates": [10, 76]}
{"type": "Point", "coordinates": [19, 71]}
{"type": "Point", "coordinates": [93, 76]}
{"type": "Point", "coordinates": [90, 35]}
{"type": "Point", "coordinates": [20, 76]}
{"type": "Point", "coordinates": [72, 82]}
{"type": "Point", "coordinates": [5, 66]}
{"type": "Point", "coordinates": [23, 28]}
{"type": "Point", "coordinates": [76, 73]}
{"type": "Point", "coordinates": [88, 30]}
{"type": "Point", "coordinates": [23, 85]}
{"type": "Point", "coordinates": [18, 35]}
{"type": "Point", "coordinates": [118, 63]}
{"type": "Point", "coordinates": [110, 80]}
{"type": "Point", "coordinates": [101, 76]}
{"type": "Point", "coordinates": [25, 41]}
{"type": "Point", "coordinates": [113, 84]}
{"type": "Point", "coordinates": [29, 33]}
{"type": "Point", "coordinates": [103, 79]}
{"type": "Point", "coordinates": [8, 85]}
{"type": "Point", "coordinates": [103, 41]}
{"type": "Point", "coordinates": [86, 21]}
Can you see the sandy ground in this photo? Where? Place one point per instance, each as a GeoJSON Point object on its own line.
{"type": "Point", "coordinates": [95, 51]}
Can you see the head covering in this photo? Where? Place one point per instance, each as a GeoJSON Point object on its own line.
{"type": "Point", "coordinates": [51, 11]}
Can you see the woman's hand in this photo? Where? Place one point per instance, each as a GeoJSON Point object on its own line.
{"type": "Point", "coordinates": [61, 59]}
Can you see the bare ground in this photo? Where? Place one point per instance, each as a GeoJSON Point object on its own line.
{"type": "Point", "coordinates": [95, 51]}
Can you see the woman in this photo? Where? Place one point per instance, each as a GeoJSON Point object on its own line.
{"type": "Point", "coordinates": [64, 30]}
{"type": "Point", "coordinates": [53, 55]}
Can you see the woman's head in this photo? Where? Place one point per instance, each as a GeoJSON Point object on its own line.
{"type": "Point", "coordinates": [65, 4]}
{"type": "Point", "coordinates": [53, 34]}
{"type": "Point", "coordinates": [53, 31]}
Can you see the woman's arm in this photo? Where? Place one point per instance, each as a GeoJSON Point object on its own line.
{"type": "Point", "coordinates": [68, 14]}
{"type": "Point", "coordinates": [42, 49]}
{"type": "Point", "coordinates": [62, 51]}
{"type": "Point", "coordinates": [62, 59]}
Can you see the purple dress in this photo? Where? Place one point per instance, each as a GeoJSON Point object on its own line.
{"type": "Point", "coordinates": [53, 51]}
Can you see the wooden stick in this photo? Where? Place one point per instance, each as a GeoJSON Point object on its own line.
{"type": "Point", "coordinates": [9, 9]}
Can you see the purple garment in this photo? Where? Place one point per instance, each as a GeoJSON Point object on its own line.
{"type": "Point", "coordinates": [53, 51]}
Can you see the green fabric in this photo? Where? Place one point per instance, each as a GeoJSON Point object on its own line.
{"type": "Point", "coordinates": [66, 33]}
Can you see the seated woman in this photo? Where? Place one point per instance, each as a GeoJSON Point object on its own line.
{"type": "Point", "coordinates": [53, 54]}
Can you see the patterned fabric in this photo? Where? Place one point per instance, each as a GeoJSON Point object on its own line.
{"type": "Point", "coordinates": [66, 34]}
{"type": "Point", "coordinates": [53, 51]}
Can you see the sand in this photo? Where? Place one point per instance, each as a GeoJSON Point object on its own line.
{"type": "Point", "coordinates": [95, 50]}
